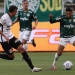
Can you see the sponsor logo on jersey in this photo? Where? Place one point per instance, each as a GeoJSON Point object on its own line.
{"type": "Point", "coordinates": [65, 19]}
{"type": "Point", "coordinates": [33, 4]}
{"type": "Point", "coordinates": [69, 26]}
{"type": "Point", "coordinates": [24, 18]}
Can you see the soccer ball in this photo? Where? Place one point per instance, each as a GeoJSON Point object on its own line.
{"type": "Point", "coordinates": [67, 65]}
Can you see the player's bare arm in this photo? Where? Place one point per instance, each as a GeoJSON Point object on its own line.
{"type": "Point", "coordinates": [17, 20]}
{"type": "Point", "coordinates": [50, 16]}
{"type": "Point", "coordinates": [58, 19]}
{"type": "Point", "coordinates": [36, 22]}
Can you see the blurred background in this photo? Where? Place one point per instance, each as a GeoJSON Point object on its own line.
{"type": "Point", "coordinates": [68, 3]}
{"type": "Point", "coordinates": [1, 7]}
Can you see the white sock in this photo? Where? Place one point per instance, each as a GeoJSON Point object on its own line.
{"type": "Point", "coordinates": [25, 46]}
{"type": "Point", "coordinates": [29, 42]}
{"type": "Point", "coordinates": [56, 57]}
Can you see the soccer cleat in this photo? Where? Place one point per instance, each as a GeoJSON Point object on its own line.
{"type": "Point", "coordinates": [35, 69]}
{"type": "Point", "coordinates": [33, 43]}
{"type": "Point", "coordinates": [53, 68]}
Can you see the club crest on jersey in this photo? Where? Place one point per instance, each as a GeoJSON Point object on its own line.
{"type": "Point", "coordinates": [33, 4]}
{"type": "Point", "coordinates": [28, 15]}
{"type": "Point", "coordinates": [73, 20]}
{"type": "Point", "coordinates": [70, 20]}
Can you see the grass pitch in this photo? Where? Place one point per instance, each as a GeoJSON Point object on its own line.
{"type": "Point", "coordinates": [39, 59]}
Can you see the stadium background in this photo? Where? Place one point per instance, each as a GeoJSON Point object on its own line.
{"type": "Point", "coordinates": [46, 35]}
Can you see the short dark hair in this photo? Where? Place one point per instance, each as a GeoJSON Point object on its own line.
{"type": "Point", "coordinates": [12, 8]}
{"type": "Point", "coordinates": [68, 9]}
{"type": "Point", "coordinates": [24, 1]}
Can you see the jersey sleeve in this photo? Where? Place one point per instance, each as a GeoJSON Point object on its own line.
{"type": "Point", "coordinates": [34, 16]}
{"type": "Point", "coordinates": [57, 19]}
{"type": "Point", "coordinates": [5, 20]}
{"type": "Point", "coordinates": [1, 24]}
{"type": "Point", "coordinates": [2, 21]}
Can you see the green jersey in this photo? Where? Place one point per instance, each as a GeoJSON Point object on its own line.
{"type": "Point", "coordinates": [67, 26]}
{"type": "Point", "coordinates": [25, 19]}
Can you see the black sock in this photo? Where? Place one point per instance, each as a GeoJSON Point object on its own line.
{"type": "Point", "coordinates": [5, 56]}
{"type": "Point", "coordinates": [28, 60]}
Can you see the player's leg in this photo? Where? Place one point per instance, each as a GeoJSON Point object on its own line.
{"type": "Point", "coordinates": [31, 40]}
{"type": "Point", "coordinates": [22, 39]}
{"type": "Point", "coordinates": [61, 47]}
{"type": "Point", "coordinates": [59, 53]}
{"type": "Point", "coordinates": [8, 55]}
{"type": "Point", "coordinates": [26, 57]}
{"type": "Point", "coordinates": [25, 46]}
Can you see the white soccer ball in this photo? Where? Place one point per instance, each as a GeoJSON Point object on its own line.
{"type": "Point", "coordinates": [67, 65]}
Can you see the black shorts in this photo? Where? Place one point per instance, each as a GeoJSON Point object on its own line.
{"type": "Point", "coordinates": [13, 43]}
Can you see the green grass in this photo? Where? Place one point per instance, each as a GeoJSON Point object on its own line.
{"type": "Point", "coordinates": [40, 59]}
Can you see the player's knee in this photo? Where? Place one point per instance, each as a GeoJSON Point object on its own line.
{"type": "Point", "coordinates": [24, 41]}
{"type": "Point", "coordinates": [59, 54]}
{"type": "Point", "coordinates": [21, 49]}
{"type": "Point", "coordinates": [25, 47]}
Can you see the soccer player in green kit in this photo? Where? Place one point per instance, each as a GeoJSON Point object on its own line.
{"type": "Point", "coordinates": [25, 18]}
{"type": "Point", "coordinates": [67, 35]}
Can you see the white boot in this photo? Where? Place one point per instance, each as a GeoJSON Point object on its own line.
{"type": "Point", "coordinates": [35, 69]}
